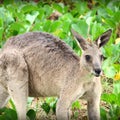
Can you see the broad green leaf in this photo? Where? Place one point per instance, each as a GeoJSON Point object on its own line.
{"type": "Point", "coordinates": [50, 100]}
{"type": "Point", "coordinates": [66, 26]}
{"type": "Point", "coordinates": [29, 8]}
{"type": "Point", "coordinates": [47, 25]}
{"type": "Point", "coordinates": [41, 15]}
{"type": "Point", "coordinates": [110, 72]}
{"type": "Point", "coordinates": [6, 2]}
{"type": "Point", "coordinates": [38, 26]}
{"type": "Point", "coordinates": [67, 18]}
{"type": "Point", "coordinates": [55, 25]}
{"type": "Point", "coordinates": [46, 107]}
{"type": "Point", "coordinates": [48, 10]}
{"type": "Point", "coordinates": [81, 7]}
{"type": "Point", "coordinates": [31, 17]}
{"type": "Point", "coordinates": [81, 27]}
{"type": "Point", "coordinates": [31, 114]}
{"type": "Point", "coordinates": [97, 30]}
{"type": "Point", "coordinates": [110, 22]}
{"type": "Point", "coordinates": [76, 105]}
{"type": "Point", "coordinates": [54, 107]}
{"type": "Point", "coordinates": [58, 7]}
{"type": "Point", "coordinates": [117, 66]}
{"type": "Point", "coordinates": [117, 17]}
{"type": "Point", "coordinates": [109, 98]}
{"type": "Point", "coordinates": [8, 114]}
{"type": "Point", "coordinates": [103, 114]}
{"type": "Point", "coordinates": [18, 27]}
{"type": "Point", "coordinates": [76, 114]}
{"type": "Point", "coordinates": [12, 104]}
{"type": "Point", "coordinates": [116, 88]}
{"type": "Point", "coordinates": [2, 110]}
{"type": "Point", "coordinates": [5, 17]}
{"type": "Point", "coordinates": [2, 117]}
{"type": "Point", "coordinates": [90, 19]}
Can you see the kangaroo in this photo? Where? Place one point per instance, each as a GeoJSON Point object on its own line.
{"type": "Point", "coordinates": [39, 64]}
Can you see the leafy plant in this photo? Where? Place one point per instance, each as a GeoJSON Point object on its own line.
{"type": "Point", "coordinates": [7, 114]}
{"type": "Point", "coordinates": [49, 104]}
{"type": "Point", "coordinates": [17, 17]}
{"type": "Point", "coordinates": [31, 114]}
{"type": "Point", "coordinates": [113, 100]}
{"type": "Point", "coordinates": [46, 107]}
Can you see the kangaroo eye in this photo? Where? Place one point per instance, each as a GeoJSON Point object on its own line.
{"type": "Point", "coordinates": [88, 57]}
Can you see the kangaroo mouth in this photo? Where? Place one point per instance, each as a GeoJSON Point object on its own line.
{"type": "Point", "coordinates": [96, 74]}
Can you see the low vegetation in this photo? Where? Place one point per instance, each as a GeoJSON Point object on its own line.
{"type": "Point", "coordinates": [90, 19]}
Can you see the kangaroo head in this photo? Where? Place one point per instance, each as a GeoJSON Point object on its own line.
{"type": "Point", "coordinates": [91, 58]}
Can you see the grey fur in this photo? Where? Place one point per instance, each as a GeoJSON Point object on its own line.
{"type": "Point", "coordinates": [38, 64]}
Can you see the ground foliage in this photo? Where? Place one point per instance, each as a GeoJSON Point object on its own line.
{"type": "Point", "coordinates": [90, 18]}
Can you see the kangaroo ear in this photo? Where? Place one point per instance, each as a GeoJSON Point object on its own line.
{"type": "Point", "coordinates": [104, 38]}
{"type": "Point", "coordinates": [80, 40]}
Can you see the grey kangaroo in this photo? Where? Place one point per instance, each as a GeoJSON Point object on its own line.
{"type": "Point", "coordinates": [38, 64]}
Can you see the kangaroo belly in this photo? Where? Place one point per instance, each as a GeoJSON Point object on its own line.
{"type": "Point", "coordinates": [44, 87]}
{"type": "Point", "coordinates": [47, 74]}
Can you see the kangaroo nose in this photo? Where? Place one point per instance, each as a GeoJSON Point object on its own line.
{"type": "Point", "coordinates": [98, 71]}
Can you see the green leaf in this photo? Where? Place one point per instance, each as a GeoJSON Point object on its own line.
{"type": "Point", "coordinates": [41, 15]}
{"type": "Point", "coordinates": [1, 22]}
{"type": "Point", "coordinates": [76, 105]}
{"type": "Point", "coordinates": [109, 98]}
{"type": "Point", "coordinates": [6, 2]}
{"type": "Point", "coordinates": [38, 26]}
{"type": "Point", "coordinates": [48, 10]}
{"type": "Point", "coordinates": [96, 30]}
{"type": "Point", "coordinates": [110, 22]}
{"type": "Point", "coordinates": [110, 72]}
{"type": "Point", "coordinates": [31, 114]}
{"type": "Point", "coordinates": [2, 117]}
{"type": "Point", "coordinates": [29, 8]}
{"type": "Point", "coordinates": [47, 25]}
{"type": "Point", "coordinates": [58, 7]}
{"type": "Point", "coordinates": [67, 18]}
{"type": "Point", "coordinates": [1, 33]}
{"type": "Point", "coordinates": [31, 17]}
{"type": "Point", "coordinates": [53, 106]}
{"type": "Point", "coordinates": [108, 68]}
{"type": "Point", "coordinates": [76, 114]}
{"type": "Point", "coordinates": [116, 17]}
{"type": "Point", "coordinates": [12, 104]}
{"type": "Point", "coordinates": [18, 27]}
{"type": "Point", "coordinates": [2, 110]}
{"type": "Point", "coordinates": [55, 25]}
{"type": "Point", "coordinates": [46, 107]}
{"type": "Point", "coordinates": [81, 27]}
{"type": "Point", "coordinates": [81, 7]}
{"type": "Point", "coordinates": [5, 16]}
{"type": "Point", "coordinates": [116, 87]}
{"type": "Point", "coordinates": [8, 114]}
{"type": "Point", "coordinates": [103, 114]}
